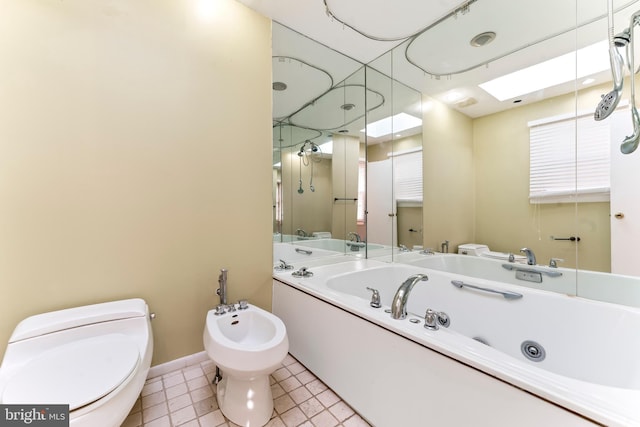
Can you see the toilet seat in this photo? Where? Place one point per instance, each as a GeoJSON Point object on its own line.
{"type": "Point", "coordinates": [77, 373]}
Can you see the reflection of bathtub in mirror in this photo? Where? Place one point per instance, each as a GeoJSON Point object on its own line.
{"type": "Point", "coordinates": [587, 284]}
{"type": "Point", "coordinates": [292, 253]}
{"type": "Point", "coordinates": [338, 245]}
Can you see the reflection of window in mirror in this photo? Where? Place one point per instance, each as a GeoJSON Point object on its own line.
{"type": "Point", "coordinates": [562, 171]}
{"type": "Point", "coordinates": [279, 206]}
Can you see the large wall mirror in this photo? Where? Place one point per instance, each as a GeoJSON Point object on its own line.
{"type": "Point", "coordinates": [484, 82]}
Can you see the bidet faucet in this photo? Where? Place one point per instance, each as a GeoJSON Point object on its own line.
{"type": "Point", "coordinates": [399, 303]}
{"type": "Point", "coordinates": [222, 290]}
{"type": "Point", "coordinates": [444, 247]}
{"type": "Point", "coordinates": [531, 257]}
{"type": "Point", "coordinates": [300, 232]}
{"type": "Point", "coordinates": [354, 237]}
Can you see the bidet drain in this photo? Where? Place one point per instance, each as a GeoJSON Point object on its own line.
{"type": "Point", "coordinates": [533, 351]}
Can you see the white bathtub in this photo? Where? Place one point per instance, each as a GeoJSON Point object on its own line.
{"type": "Point", "coordinates": [594, 285]}
{"type": "Point", "coordinates": [338, 245]}
{"type": "Point", "coordinates": [591, 368]}
{"type": "Point", "coordinates": [296, 254]}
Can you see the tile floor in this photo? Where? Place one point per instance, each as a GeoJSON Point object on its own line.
{"type": "Point", "coordinates": [187, 398]}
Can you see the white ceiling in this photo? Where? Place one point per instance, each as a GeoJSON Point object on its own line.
{"type": "Point", "coordinates": [438, 57]}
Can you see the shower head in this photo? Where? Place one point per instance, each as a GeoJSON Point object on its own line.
{"type": "Point", "coordinates": [630, 143]}
{"type": "Point", "coordinates": [610, 101]}
{"type": "Point", "coordinates": [622, 39]}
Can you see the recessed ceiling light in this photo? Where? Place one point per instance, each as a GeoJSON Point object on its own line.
{"type": "Point", "coordinates": [279, 86]}
{"type": "Point", "coordinates": [348, 107]}
{"type": "Point", "coordinates": [483, 39]}
{"type": "Point", "coordinates": [453, 96]}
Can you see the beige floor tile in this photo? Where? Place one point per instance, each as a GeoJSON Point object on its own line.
{"type": "Point", "coordinates": [316, 387]}
{"type": "Point", "coordinates": [205, 406]}
{"type": "Point", "coordinates": [341, 411]}
{"type": "Point", "coordinates": [324, 419]}
{"type": "Point", "coordinates": [283, 403]}
{"type": "Point", "coordinates": [183, 415]}
{"type": "Point", "coordinates": [201, 393]}
{"type": "Point", "coordinates": [275, 422]}
{"type": "Point", "coordinates": [327, 398]}
{"type": "Point", "coordinates": [186, 398]}
{"type": "Point", "coordinates": [171, 380]}
{"type": "Point", "coordinates": [153, 399]}
{"type": "Point", "coordinates": [159, 422]}
{"type": "Point", "coordinates": [176, 391]}
{"type": "Point", "coordinates": [179, 402]}
{"type": "Point", "coordinates": [290, 383]}
{"type": "Point", "coordinates": [293, 417]}
{"type": "Point", "coordinates": [154, 412]}
{"type": "Point", "coordinates": [300, 394]}
{"type": "Point", "coordinates": [212, 419]}
{"type": "Point", "coordinates": [311, 407]}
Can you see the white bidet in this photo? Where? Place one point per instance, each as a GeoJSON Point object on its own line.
{"type": "Point", "coordinates": [247, 345]}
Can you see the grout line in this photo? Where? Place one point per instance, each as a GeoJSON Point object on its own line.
{"type": "Point", "coordinates": [312, 396]}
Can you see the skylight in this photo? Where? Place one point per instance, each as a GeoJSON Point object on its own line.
{"type": "Point", "coordinates": [591, 59]}
{"type": "Point", "coordinates": [398, 123]}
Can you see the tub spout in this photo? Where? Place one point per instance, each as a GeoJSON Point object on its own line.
{"type": "Point", "coordinates": [531, 257]}
{"type": "Point", "coordinates": [399, 303]}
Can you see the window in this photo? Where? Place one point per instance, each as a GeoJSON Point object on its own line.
{"type": "Point", "coordinates": [407, 177]}
{"type": "Point", "coordinates": [561, 171]}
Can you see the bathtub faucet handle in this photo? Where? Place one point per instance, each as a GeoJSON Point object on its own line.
{"type": "Point", "coordinates": [431, 320]}
{"type": "Point", "coordinates": [375, 298]}
{"type": "Point", "coordinates": [553, 262]}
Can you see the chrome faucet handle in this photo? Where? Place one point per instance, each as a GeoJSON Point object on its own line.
{"type": "Point", "coordinates": [231, 308]}
{"type": "Point", "coordinates": [553, 262]}
{"type": "Point", "coordinates": [375, 298]}
{"type": "Point", "coordinates": [220, 310]}
{"type": "Point", "coordinates": [427, 251]}
{"type": "Point", "coordinates": [243, 304]}
{"type": "Point", "coordinates": [302, 272]}
{"type": "Point", "coordinates": [431, 320]}
{"type": "Point", "coordinates": [283, 266]}
{"type": "Point", "coordinates": [403, 248]}
{"type": "Point", "coordinates": [512, 257]}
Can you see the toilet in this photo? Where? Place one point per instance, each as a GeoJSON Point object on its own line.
{"type": "Point", "coordinates": [247, 344]}
{"type": "Point", "coordinates": [94, 358]}
{"type": "Point", "coordinates": [480, 250]}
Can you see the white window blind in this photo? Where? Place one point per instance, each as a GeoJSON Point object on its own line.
{"type": "Point", "coordinates": [563, 171]}
{"type": "Point", "coordinates": [407, 176]}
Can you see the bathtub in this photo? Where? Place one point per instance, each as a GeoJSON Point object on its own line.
{"type": "Point", "coordinates": [475, 370]}
{"type": "Point", "coordinates": [615, 288]}
{"type": "Point", "coordinates": [338, 245]}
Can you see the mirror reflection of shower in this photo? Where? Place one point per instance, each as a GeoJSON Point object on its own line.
{"type": "Point", "coordinates": [610, 101]}
{"type": "Point", "coordinates": [309, 153]}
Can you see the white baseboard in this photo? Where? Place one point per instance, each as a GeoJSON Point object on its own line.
{"type": "Point", "coordinates": [174, 365]}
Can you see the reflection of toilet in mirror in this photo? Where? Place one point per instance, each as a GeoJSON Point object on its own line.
{"type": "Point", "coordinates": [93, 358]}
{"type": "Point", "coordinates": [247, 344]}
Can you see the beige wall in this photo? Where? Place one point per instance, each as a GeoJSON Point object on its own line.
{"type": "Point", "coordinates": [448, 176]}
{"type": "Point", "coordinates": [311, 210]}
{"type": "Point", "coordinates": [123, 141]}
{"type": "Point", "coordinates": [505, 220]}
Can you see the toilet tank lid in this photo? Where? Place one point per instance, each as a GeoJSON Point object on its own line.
{"type": "Point", "coordinates": [46, 323]}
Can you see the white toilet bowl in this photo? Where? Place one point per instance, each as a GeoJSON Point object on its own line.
{"type": "Point", "coordinates": [247, 345]}
{"type": "Point", "coordinates": [93, 358]}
